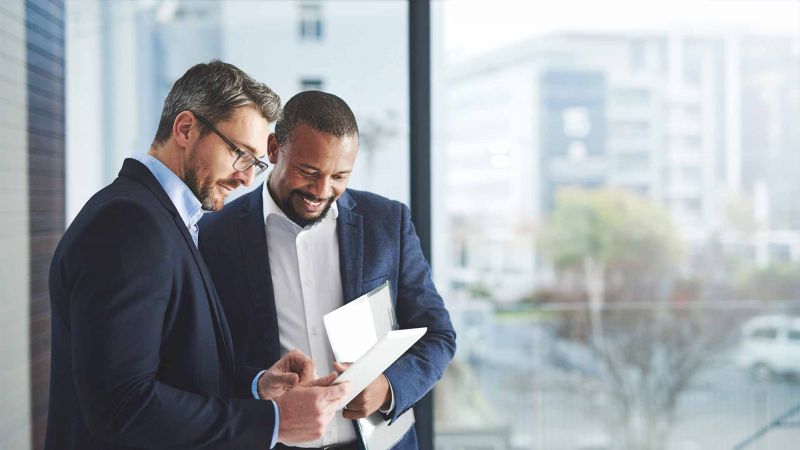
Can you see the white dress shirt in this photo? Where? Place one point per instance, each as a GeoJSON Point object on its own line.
{"type": "Point", "coordinates": [306, 280]}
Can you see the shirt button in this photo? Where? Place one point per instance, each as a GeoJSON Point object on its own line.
{"type": "Point", "coordinates": [315, 331]}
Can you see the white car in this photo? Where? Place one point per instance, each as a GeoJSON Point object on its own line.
{"type": "Point", "coordinates": [771, 346]}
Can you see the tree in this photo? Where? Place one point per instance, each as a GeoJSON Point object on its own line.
{"type": "Point", "coordinates": [621, 251]}
{"type": "Point", "coordinates": [606, 235]}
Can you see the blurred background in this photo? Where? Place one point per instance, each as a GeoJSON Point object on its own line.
{"type": "Point", "coordinates": [613, 195]}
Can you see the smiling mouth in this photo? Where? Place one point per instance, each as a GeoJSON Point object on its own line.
{"type": "Point", "coordinates": [311, 203]}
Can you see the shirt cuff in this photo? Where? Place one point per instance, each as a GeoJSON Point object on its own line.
{"type": "Point", "coordinates": [254, 389]}
{"type": "Point", "coordinates": [391, 403]}
{"type": "Point", "coordinates": [254, 385]}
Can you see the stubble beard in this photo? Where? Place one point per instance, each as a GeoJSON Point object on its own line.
{"type": "Point", "coordinates": [203, 190]}
{"type": "Point", "coordinates": [294, 216]}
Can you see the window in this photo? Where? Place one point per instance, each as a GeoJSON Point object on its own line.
{"type": "Point", "coordinates": [311, 84]}
{"type": "Point", "coordinates": [155, 44]}
{"type": "Point", "coordinates": [631, 128]}
{"type": "Point", "coordinates": [764, 333]}
{"type": "Point", "coordinates": [603, 256]}
{"type": "Point", "coordinates": [631, 97]}
{"type": "Point", "coordinates": [310, 25]}
{"type": "Point", "coordinates": [634, 162]}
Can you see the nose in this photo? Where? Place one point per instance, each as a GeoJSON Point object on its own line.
{"type": "Point", "coordinates": [322, 187]}
{"type": "Point", "coordinates": [245, 177]}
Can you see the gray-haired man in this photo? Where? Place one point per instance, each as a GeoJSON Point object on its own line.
{"type": "Point", "coordinates": [142, 354]}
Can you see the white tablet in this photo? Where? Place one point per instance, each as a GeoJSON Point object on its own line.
{"type": "Point", "coordinates": [377, 359]}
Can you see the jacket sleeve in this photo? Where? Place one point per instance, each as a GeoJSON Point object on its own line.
{"type": "Point", "coordinates": [418, 305]}
{"type": "Point", "coordinates": [122, 278]}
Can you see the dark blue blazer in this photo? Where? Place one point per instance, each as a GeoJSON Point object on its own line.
{"type": "Point", "coordinates": [141, 353]}
{"type": "Point", "coordinates": [377, 242]}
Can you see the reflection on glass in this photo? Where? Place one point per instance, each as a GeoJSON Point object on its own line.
{"type": "Point", "coordinates": [629, 276]}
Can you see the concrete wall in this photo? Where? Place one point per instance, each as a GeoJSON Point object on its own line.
{"type": "Point", "coordinates": [15, 403]}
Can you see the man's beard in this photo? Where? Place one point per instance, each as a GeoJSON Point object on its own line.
{"type": "Point", "coordinates": [203, 189]}
{"type": "Point", "coordinates": [294, 216]}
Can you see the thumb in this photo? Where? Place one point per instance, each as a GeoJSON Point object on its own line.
{"type": "Point", "coordinates": [324, 381]}
{"type": "Point", "coordinates": [301, 365]}
{"type": "Point", "coordinates": [282, 379]}
{"type": "Point", "coordinates": [341, 367]}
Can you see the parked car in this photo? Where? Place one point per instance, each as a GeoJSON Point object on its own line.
{"type": "Point", "coordinates": [770, 347]}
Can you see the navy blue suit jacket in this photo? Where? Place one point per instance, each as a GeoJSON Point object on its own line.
{"type": "Point", "coordinates": [141, 353]}
{"type": "Point", "coordinates": [377, 242]}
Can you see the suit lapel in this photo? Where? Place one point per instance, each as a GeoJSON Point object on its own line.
{"type": "Point", "coordinates": [218, 316]}
{"type": "Point", "coordinates": [350, 232]}
{"type": "Point", "coordinates": [255, 259]}
{"type": "Point", "coordinates": [141, 173]}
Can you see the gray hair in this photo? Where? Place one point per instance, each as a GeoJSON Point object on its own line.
{"type": "Point", "coordinates": [214, 91]}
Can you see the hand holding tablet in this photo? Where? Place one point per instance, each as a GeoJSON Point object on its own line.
{"type": "Point", "coordinates": [377, 359]}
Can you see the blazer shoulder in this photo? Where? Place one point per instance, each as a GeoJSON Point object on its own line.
{"type": "Point", "coordinates": [112, 227]}
{"type": "Point", "coordinates": [121, 215]}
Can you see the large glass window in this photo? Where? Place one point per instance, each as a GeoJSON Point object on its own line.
{"type": "Point", "coordinates": [123, 57]}
{"type": "Point", "coordinates": [615, 199]}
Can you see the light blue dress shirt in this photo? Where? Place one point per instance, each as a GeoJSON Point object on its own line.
{"type": "Point", "coordinates": [191, 210]}
{"type": "Point", "coordinates": [188, 206]}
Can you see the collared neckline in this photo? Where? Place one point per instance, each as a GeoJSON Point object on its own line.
{"type": "Point", "coordinates": [188, 206]}
{"type": "Point", "coordinates": [272, 208]}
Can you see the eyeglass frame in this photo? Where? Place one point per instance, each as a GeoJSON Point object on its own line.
{"type": "Point", "coordinates": [261, 165]}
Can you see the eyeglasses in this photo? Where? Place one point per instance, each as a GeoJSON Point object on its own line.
{"type": "Point", "coordinates": [244, 160]}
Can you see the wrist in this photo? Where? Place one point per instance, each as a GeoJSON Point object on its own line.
{"type": "Point", "coordinates": [254, 385]}
{"type": "Point", "coordinates": [262, 394]}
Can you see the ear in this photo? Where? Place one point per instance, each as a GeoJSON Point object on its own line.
{"type": "Point", "coordinates": [182, 127]}
{"type": "Point", "coordinates": [273, 148]}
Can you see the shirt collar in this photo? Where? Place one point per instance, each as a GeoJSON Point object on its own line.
{"type": "Point", "coordinates": [189, 207]}
{"type": "Point", "coordinates": [270, 207]}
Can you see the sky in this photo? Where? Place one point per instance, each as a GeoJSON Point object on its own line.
{"type": "Point", "coordinates": [474, 26]}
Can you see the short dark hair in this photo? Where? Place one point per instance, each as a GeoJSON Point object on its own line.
{"type": "Point", "coordinates": [214, 91]}
{"type": "Point", "coordinates": [319, 110]}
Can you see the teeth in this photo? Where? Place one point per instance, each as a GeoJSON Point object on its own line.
{"type": "Point", "coordinates": [312, 203]}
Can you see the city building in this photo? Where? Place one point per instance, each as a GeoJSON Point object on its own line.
{"type": "Point", "coordinates": [698, 123]}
